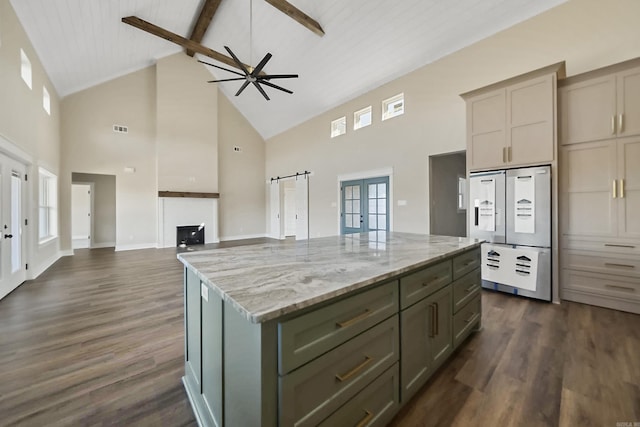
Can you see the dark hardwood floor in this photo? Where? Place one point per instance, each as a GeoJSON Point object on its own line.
{"type": "Point", "coordinates": [98, 340]}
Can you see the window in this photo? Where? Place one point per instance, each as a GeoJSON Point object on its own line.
{"type": "Point", "coordinates": [393, 106]}
{"type": "Point", "coordinates": [462, 191]}
{"type": "Point", "coordinates": [362, 118]}
{"type": "Point", "coordinates": [48, 203]}
{"type": "Point", "coordinates": [46, 100]}
{"type": "Point", "coordinates": [339, 127]}
{"type": "Point", "coordinates": [25, 68]}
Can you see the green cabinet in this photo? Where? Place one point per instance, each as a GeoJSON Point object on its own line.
{"type": "Point", "coordinates": [193, 337]}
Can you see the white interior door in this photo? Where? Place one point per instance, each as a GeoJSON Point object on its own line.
{"type": "Point", "coordinates": [274, 208]}
{"type": "Point", "coordinates": [302, 207]}
{"type": "Point", "coordinates": [289, 211]}
{"type": "Point", "coordinates": [12, 208]}
{"type": "Point", "coordinates": [81, 215]}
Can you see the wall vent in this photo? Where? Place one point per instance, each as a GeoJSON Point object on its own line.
{"type": "Point", "coordinates": [120, 129]}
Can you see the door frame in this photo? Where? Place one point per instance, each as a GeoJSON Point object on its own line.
{"type": "Point", "coordinates": [374, 173]}
{"type": "Point", "coordinates": [91, 211]}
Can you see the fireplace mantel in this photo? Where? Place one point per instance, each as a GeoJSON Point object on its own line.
{"type": "Point", "coordinates": [188, 194]}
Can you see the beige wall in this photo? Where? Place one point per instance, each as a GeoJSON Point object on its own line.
{"type": "Point", "coordinates": [104, 207]}
{"type": "Point", "coordinates": [187, 126]}
{"type": "Point", "coordinates": [25, 128]}
{"type": "Point", "coordinates": [242, 175]}
{"type": "Point", "coordinates": [586, 33]}
{"type": "Point", "coordinates": [89, 145]}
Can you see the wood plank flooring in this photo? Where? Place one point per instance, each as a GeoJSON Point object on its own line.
{"type": "Point", "coordinates": [98, 340]}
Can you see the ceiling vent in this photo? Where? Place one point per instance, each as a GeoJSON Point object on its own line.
{"type": "Point", "coordinates": [120, 129]}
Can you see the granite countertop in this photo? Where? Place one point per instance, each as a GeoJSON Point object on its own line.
{"type": "Point", "coordinates": [269, 280]}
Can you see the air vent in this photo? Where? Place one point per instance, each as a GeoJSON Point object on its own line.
{"type": "Point", "coordinates": [120, 129]}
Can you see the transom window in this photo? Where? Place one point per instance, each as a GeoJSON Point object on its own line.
{"type": "Point", "coordinates": [362, 118]}
{"type": "Point", "coordinates": [393, 107]}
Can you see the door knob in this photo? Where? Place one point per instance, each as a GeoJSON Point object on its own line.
{"type": "Point", "coordinates": [8, 236]}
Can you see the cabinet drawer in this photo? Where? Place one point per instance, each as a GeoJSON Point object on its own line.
{"type": "Point", "coordinates": [306, 337]}
{"type": "Point", "coordinates": [601, 263]}
{"type": "Point", "coordinates": [373, 406]}
{"type": "Point", "coordinates": [311, 393]}
{"type": "Point", "coordinates": [466, 262]}
{"type": "Point", "coordinates": [466, 319]}
{"type": "Point", "coordinates": [423, 283]}
{"type": "Point", "coordinates": [465, 288]}
{"type": "Point", "coordinates": [605, 246]}
{"type": "Point", "coordinates": [622, 288]}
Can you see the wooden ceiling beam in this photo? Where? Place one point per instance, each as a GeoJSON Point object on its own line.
{"type": "Point", "coordinates": [209, 9]}
{"type": "Point", "coordinates": [150, 28]}
{"type": "Point", "coordinates": [299, 16]}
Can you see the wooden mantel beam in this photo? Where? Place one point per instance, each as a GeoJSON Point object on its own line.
{"type": "Point", "coordinates": [150, 28]}
{"type": "Point", "coordinates": [209, 9]}
{"type": "Point", "coordinates": [287, 8]}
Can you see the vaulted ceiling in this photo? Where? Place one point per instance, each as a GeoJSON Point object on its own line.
{"type": "Point", "coordinates": [366, 43]}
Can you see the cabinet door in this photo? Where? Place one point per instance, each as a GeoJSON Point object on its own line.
{"type": "Point", "coordinates": [629, 188]}
{"type": "Point", "coordinates": [588, 173]}
{"type": "Point", "coordinates": [441, 332]}
{"type": "Point", "coordinates": [628, 85]}
{"type": "Point", "coordinates": [486, 130]}
{"type": "Point", "coordinates": [415, 326]}
{"type": "Point", "coordinates": [192, 328]}
{"type": "Point", "coordinates": [588, 110]}
{"type": "Point", "coordinates": [530, 121]}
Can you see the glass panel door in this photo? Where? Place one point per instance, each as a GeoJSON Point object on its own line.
{"type": "Point", "coordinates": [365, 205]}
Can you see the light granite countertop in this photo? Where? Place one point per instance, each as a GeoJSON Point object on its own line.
{"type": "Point", "coordinates": [266, 281]}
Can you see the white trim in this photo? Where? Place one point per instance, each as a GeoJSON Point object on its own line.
{"type": "Point", "coordinates": [12, 150]}
{"type": "Point", "coordinates": [103, 245]}
{"type": "Point", "coordinates": [374, 173]}
{"type": "Point", "coordinates": [136, 246]}
{"type": "Point", "coordinates": [66, 252]}
{"type": "Point", "coordinates": [243, 237]}
{"type": "Point", "coordinates": [43, 266]}
{"type": "Point", "coordinates": [47, 241]}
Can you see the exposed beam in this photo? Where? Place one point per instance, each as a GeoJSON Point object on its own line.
{"type": "Point", "coordinates": [209, 9]}
{"type": "Point", "coordinates": [150, 28]}
{"type": "Point", "coordinates": [285, 7]}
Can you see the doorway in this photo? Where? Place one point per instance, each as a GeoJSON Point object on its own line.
{"type": "Point", "coordinates": [81, 215]}
{"type": "Point", "coordinates": [447, 188]}
{"type": "Point", "coordinates": [364, 205]}
{"type": "Point", "coordinates": [289, 207]}
{"type": "Point", "coordinates": [12, 212]}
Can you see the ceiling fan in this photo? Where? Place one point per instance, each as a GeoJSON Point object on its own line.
{"type": "Point", "coordinates": [252, 75]}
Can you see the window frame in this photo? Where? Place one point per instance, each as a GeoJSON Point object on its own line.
{"type": "Point", "coordinates": [26, 69]}
{"type": "Point", "coordinates": [47, 205]}
{"type": "Point", "coordinates": [360, 113]}
{"type": "Point", "coordinates": [386, 115]}
{"type": "Point", "coordinates": [336, 124]}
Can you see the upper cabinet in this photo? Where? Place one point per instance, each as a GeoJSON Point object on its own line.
{"type": "Point", "coordinates": [601, 104]}
{"type": "Point", "coordinates": [513, 123]}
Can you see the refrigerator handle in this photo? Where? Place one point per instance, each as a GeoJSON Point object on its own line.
{"type": "Point", "coordinates": [476, 211]}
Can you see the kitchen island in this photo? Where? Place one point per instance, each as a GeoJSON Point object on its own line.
{"type": "Point", "coordinates": [331, 331]}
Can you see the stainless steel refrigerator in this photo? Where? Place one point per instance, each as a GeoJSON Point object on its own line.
{"type": "Point", "coordinates": [511, 210]}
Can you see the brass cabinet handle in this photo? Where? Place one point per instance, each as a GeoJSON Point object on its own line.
{"type": "Point", "coordinates": [354, 370]}
{"type": "Point", "coordinates": [431, 281]}
{"type": "Point", "coordinates": [504, 154]}
{"type": "Point", "coordinates": [624, 288]}
{"type": "Point", "coordinates": [612, 245]}
{"type": "Point", "coordinates": [622, 188]}
{"type": "Point", "coordinates": [613, 125]}
{"type": "Point", "coordinates": [470, 319]}
{"type": "Point", "coordinates": [613, 264]}
{"type": "Point", "coordinates": [432, 329]}
{"type": "Point", "coordinates": [614, 189]}
{"type": "Point", "coordinates": [368, 417]}
{"type": "Point", "coordinates": [470, 288]}
{"type": "Point", "coordinates": [620, 122]}
{"type": "Point", "coordinates": [436, 316]}
{"type": "Point", "coordinates": [509, 151]}
{"type": "Point", "coordinates": [353, 320]}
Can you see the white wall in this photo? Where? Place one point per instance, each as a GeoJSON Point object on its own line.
{"type": "Point", "coordinates": [104, 207]}
{"type": "Point", "coordinates": [586, 33]}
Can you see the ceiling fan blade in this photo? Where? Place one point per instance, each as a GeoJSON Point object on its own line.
{"type": "Point", "coordinates": [261, 65]}
{"type": "Point", "coordinates": [222, 68]}
{"type": "Point", "coordinates": [264, 82]}
{"type": "Point", "coordinates": [227, 80]}
{"type": "Point", "coordinates": [277, 76]}
{"type": "Point", "coordinates": [257, 85]}
{"type": "Point", "coordinates": [244, 85]}
{"type": "Point", "coordinates": [235, 58]}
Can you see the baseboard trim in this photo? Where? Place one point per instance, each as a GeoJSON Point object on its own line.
{"type": "Point", "coordinates": [42, 267]}
{"type": "Point", "coordinates": [103, 245]}
{"type": "Point", "coordinates": [242, 237]}
{"type": "Point", "coordinates": [134, 247]}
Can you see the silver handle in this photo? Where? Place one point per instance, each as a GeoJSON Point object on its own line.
{"type": "Point", "coordinates": [613, 264]}
{"type": "Point", "coordinates": [613, 245]}
{"type": "Point", "coordinates": [613, 125]}
{"type": "Point", "coordinates": [624, 288]}
{"type": "Point", "coordinates": [614, 189]}
{"type": "Point", "coordinates": [620, 122]}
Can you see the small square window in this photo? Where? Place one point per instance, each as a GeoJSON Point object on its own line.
{"type": "Point", "coordinates": [339, 127]}
{"type": "Point", "coordinates": [362, 118]}
{"type": "Point", "coordinates": [46, 100]}
{"type": "Point", "coordinates": [25, 68]}
{"type": "Point", "coordinates": [393, 106]}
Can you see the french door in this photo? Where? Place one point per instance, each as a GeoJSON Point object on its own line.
{"type": "Point", "coordinates": [364, 205]}
{"type": "Point", "coordinates": [12, 202]}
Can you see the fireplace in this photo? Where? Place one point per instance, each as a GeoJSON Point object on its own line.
{"type": "Point", "coordinates": [188, 235]}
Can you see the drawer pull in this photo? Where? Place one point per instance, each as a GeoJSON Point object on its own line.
{"type": "Point", "coordinates": [624, 288]}
{"type": "Point", "coordinates": [432, 330]}
{"type": "Point", "coordinates": [613, 264]}
{"type": "Point", "coordinates": [470, 288]}
{"type": "Point", "coordinates": [431, 281]}
{"type": "Point", "coordinates": [470, 319]}
{"type": "Point", "coordinates": [355, 370]}
{"type": "Point", "coordinates": [353, 320]}
{"type": "Point", "coordinates": [611, 245]}
{"type": "Point", "coordinates": [436, 316]}
{"type": "Point", "coordinates": [367, 418]}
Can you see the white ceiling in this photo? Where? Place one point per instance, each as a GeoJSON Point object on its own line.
{"type": "Point", "coordinates": [367, 43]}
